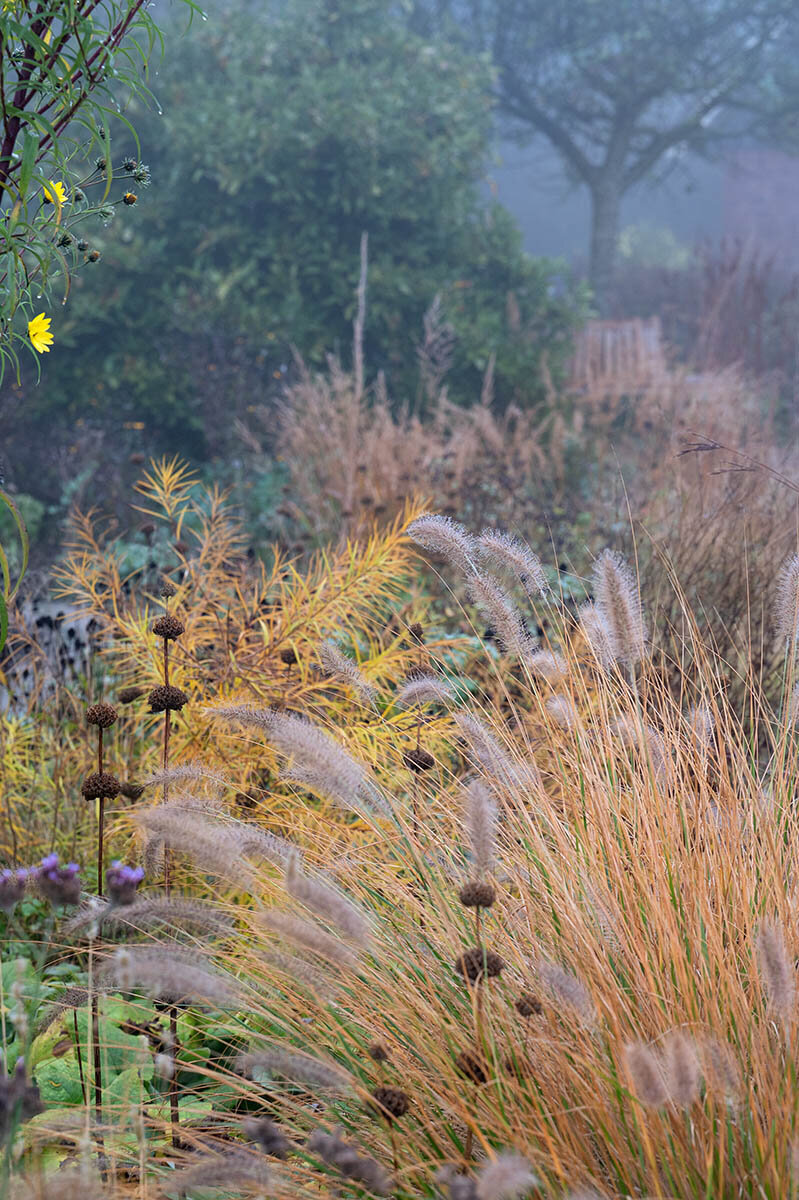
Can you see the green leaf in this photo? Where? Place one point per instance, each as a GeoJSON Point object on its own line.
{"type": "Point", "coordinates": [23, 537]}
{"type": "Point", "coordinates": [58, 1081]}
{"type": "Point", "coordinates": [29, 148]}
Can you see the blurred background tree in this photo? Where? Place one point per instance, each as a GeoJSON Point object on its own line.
{"type": "Point", "coordinates": [283, 133]}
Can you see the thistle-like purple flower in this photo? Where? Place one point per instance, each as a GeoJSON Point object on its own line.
{"type": "Point", "coordinates": [121, 882]}
{"type": "Point", "coordinates": [12, 888]}
{"type": "Point", "coordinates": [58, 884]}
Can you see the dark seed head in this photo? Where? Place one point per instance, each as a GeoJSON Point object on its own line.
{"type": "Point", "coordinates": [416, 631]}
{"type": "Point", "coordinates": [528, 1005]}
{"type": "Point", "coordinates": [288, 656]}
{"type": "Point", "coordinates": [168, 627]}
{"type": "Point", "coordinates": [100, 785]}
{"type": "Point", "coordinates": [472, 1066]}
{"type": "Point", "coordinates": [166, 698]}
{"type": "Point", "coordinates": [129, 694]}
{"type": "Point", "coordinates": [131, 791]}
{"type": "Point", "coordinates": [168, 588]}
{"type": "Point", "coordinates": [391, 1101]}
{"type": "Point", "coordinates": [377, 1052]}
{"type": "Point", "coordinates": [418, 760]}
{"type": "Point", "coordinates": [102, 715]}
{"type": "Point", "coordinates": [477, 963]}
{"type": "Point", "coordinates": [269, 1136]}
{"type": "Point", "coordinates": [477, 894]}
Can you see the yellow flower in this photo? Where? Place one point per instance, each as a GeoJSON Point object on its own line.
{"type": "Point", "coordinates": [60, 193]}
{"type": "Point", "coordinates": [39, 333]}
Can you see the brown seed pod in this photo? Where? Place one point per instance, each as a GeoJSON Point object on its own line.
{"type": "Point", "coordinates": [168, 589]}
{"type": "Point", "coordinates": [528, 1005]}
{"type": "Point", "coordinates": [418, 760]}
{"type": "Point", "coordinates": [472, 1066]}
{"type": "Point", "coordinates": [129, 694]}
{"type": "Point", "coordinates": [416, 630]}
{"type": "Point", "coordinates": [288, 656]}
{"type": "Point", "coordinates": [378, 1053]}
{"type": "Point", "coordinates": [477, 894]}
{"type": "Point", "coordinates": [391, 1101]}
{"type": "Point", "coordinates": [100, 785]}
{"type": "Point", "coordinates": [166, 697]}
{"type": "Point", "coordinates": [168, 627]}
{"type": "Point", "coordinates": [103, 715]}
{"type": "Point", "coordinates": [478, 963]}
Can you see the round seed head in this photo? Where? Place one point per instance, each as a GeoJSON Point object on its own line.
{"type": "Point", "coordinates": [100, 785]}
{"type": "Point", "coordinates": [477, 894]}
{"type": "Point", "coordinates": [418, 760]}
{"type": "Point", "coordinates": [288, 656]}
{"type": "Point", "coordinates": [378, 1053]}
{"type": "Point", "coordinates": [168, 589]}
{"type": "Point", "coordinates": [416, 630]}
{"type": "Point", "coordinates": [479, 963]}
{"type": "Point", "coordinates": [168, 627]}
{"type": "Point", "coordinates": [129, 694]}
{"type": "Point", "coordinates": [103, 715]}
{"type": "Point", "coordinates": [166, 698]}
{"type": "Point", "coordinates": [472, 1066]}
{"type": "Point", "coordinates": [391, 1101]}
{"type": "Point", "coordinates": [528, 1005]}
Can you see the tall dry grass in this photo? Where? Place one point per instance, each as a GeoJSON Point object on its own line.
{"type": "Point", "coordinates": [566, 947]}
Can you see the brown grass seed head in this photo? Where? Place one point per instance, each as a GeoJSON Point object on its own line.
{"type": "Point", "coordinates": [102, 715]}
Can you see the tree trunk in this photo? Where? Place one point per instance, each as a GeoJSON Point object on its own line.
{"type": "Point", "coordinates": [605, 210]}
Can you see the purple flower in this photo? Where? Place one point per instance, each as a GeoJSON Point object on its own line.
{"type": "Point", "coordinates": [58, 884]}
{"type": "Point", "coordinates": [121, 882]}
{"type": "Point", "coordinates": [12, 888]}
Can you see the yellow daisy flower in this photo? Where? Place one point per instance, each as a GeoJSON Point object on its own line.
{"type": "Point", "coordinates": [60, 193]}
{"type": "Point", "coordinates": [39, 333]}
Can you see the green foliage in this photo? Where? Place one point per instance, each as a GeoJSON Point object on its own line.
{"type": "Point", "coordinates": [333, 122]}
{"type": "Point", "coordinates": [12, 524]}
{"type": "Point", "coordinates": [67, 66]}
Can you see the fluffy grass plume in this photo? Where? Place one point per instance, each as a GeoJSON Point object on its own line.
{"type": "Point", "coordinates": [786, 608]}
{"type": "Point", "coordinates": [424, 689]}
{"type": "Point", "coordinates": [501, 552]}
{"type": "Point", "coordinates": [498, 609]}
{"type": "Point", "coordinates": [326, 901]}
{"type": "Point", "coordinates": [777, 969]}
{"type": "Point", "coordinates": [618, 600]}
{"type": "Point", "coordinates": [445, 537]}
{"type": "Point", "coordinates": [480, 823]}
{"type": "Point", "coordinates": [336, 665]}
{"type": "Point", "coordinates": [305, 935]}
{"type": "Point", "coordinates": [296, 1068]}
{"type": "Point", "coordinates": [165, 973]}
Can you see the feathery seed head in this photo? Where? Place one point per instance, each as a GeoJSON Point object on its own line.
{"type": "Point", "coordinates": [562, 711]}
{"type": "Point", "coordinates": [504, 771]}
{"type": "Point", "coordinates": [506, 1177]}
{"type": "Point", "coordinates": [597, 634]}
{"type": "Point", "coordinates": [787, 606]}
{"type": "Point", "coordinates": [499, 610]}
{"type": "Point", "coordinates": [503, 552]}
{"type": "Point", "coordinates": [297, 1068]}
{"type": "Point", "coordinates": [480, 819]}
{"type": "Point", "coordinates": [777, 968]}
{"type": "Point", "coordinates": [337, 665]}
{"type": "Point", "coordinates": [423, 688]}
{"type": "Point", "coordinates": [169, 975]}
{"type": "Point", "coordinates": [131, 791]}
{"type": "Point", "coordinates": [345, 1158]}
{"type": "Point", "coordinates": [619, 603]}
{"type": "Point", "coordinates": [128, 694]}
{"type": "Point", "coordinates": [12, 888]}
{"type": "Point", "coordinates": [682, 1070]}
{"type": "Point", "coordinates": [307, 936]}
{"type": "Point", "coordinates": [646, 1074]}
{"type": "Point", "coordinates": [549, 665]}
{"type": "Point", "coordinates": [569, 990]}
{"type": "Point", "coordinates": [269, 1136]}
{"type": "Point", "coordinates": [445, 537]}
{"type": "Point", "coordinates": [326, 901]}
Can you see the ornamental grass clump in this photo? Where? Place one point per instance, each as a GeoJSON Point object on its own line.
{"type": "Point", "coordinates": [559, 960]}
